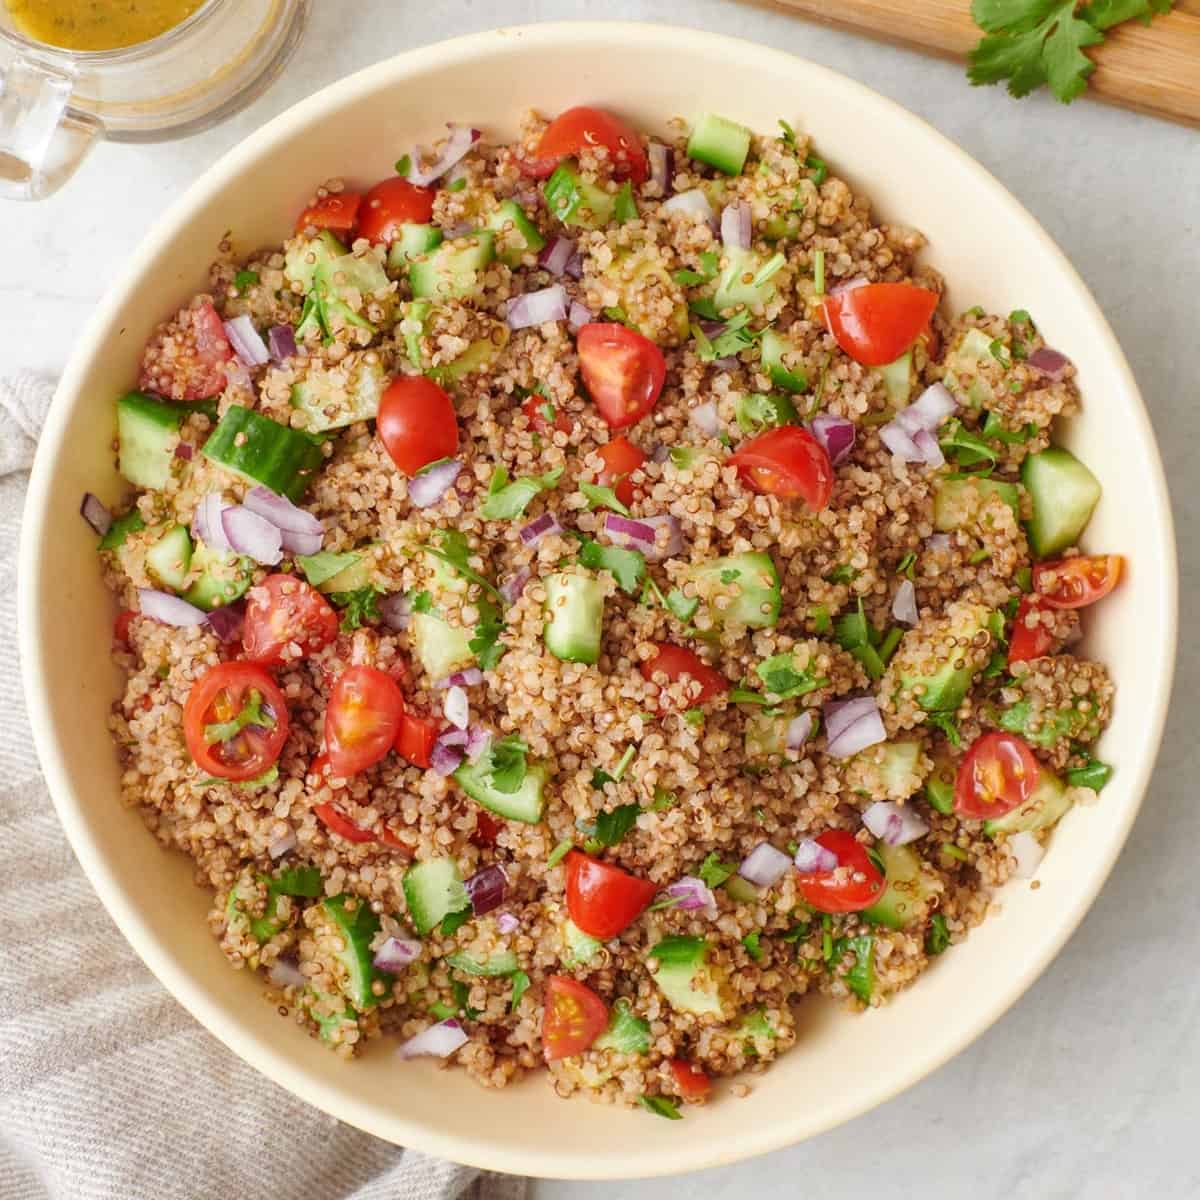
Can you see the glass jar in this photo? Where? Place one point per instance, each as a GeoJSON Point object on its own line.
{"type": "Point", "coordinates": [55, 103]}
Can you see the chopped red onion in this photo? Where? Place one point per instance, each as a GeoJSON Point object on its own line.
{"type": "Point", "coordinates": [694, 203]}
{"type": "Point", "coordinates": [662, 159]}
{"type": "Point", "coordinates": [728, 363]}
{"type": "Point", "coordinates": [457, 230]}
{"type": "Point", "coordinates": [1049, 362]}
{"type": "Point", "coordinates": [579, 315]}
{"type": "Point", "coordinates": [812, 857]}
{"type": "Point", "coordinates": [438, 1041]}
{"type": "Point", "coordinates": [207, 524]}
{"type": "Point", "coordinates": [927, 444]}
{"type": "Point", "coordinates": [514, 585]}
{"type": "Point", "coordinates": [252, 535]}
{"type": "Point", "coordinates": [170, 610]}
{"type": "Point", "coordinates": [448, 753]}
{"type": "Point", "coordinates": [899, 441]}
{"type": "Point", "coordinates": [95, 512]}
{"type": "Point", "coordinates": [280, 846]}
{"type": "Point", "coordinates": [479, 741]}
{"type": "Point", "coordinates": [661, 453]}
{"type": "Point", "coordinates": [574, 266]}
{"type": "Point", "coordinates": [835, 434]}
{"type": "Point", "coordinates": [764, 865]}
{"type": "Point", "coordinates": [457, 708]}
{"type": "Point", "coordinates": [537, 308]}
{"type": "Point", "coordinates": [539, 527]}
{"type": "Point", "coordinates": [284, 973]}
{"type": "Point", "coordinates": [910, 435]}
{"type": "Point", "coordinates": [281, 342]}
{"type": "Point", "coordinates": [427, 487]}
{"type": "Point", "coordinates": [799, 730]}
{"type": "Point", "coordinates": [712, 329]}
{"type": "Point", "coordinates": [486, 888]}
{"type": "Point", "coordinates": [674, 543]}
{"type": "Point", "coordinates": [629, 531]}
{"type": "Point", "coordinates": [468, 678]}
{"type": "Point", "coordinates": [246, 342]}
{"type": "Point", "coordinates": [939, 543]}
{"type": "Point", "coordinates": [904, 603]}
{"type": "Point", "coordinates": [184, 451]}
{"type": "Point", "coordinates": [852, 725]}
{"type": "Point", "coordinates": [555, 256]}
{"type": "Point", "coordinates": [395, 954]}
{"type": "Point", "coordinates": [1027, 851]}
{"type": "Point", "coordinates": [894, 823]}
{"type": "Point", "coordinates": [300, 532]}
{"type": "Point", "coordinates": [705, 418]}
{"type": "Point", "coordinates": [693, 895]}
{"type": "Point", "coordinates": [425, 170]}
{"type": "Point", "coordinates": [396, 610]}
{"type": "Point", "coordinates": [929, 409]}
{"type": "Point", "coordinates": [735, 226]}
{"type": "Point", "coordinates": [507, 923]}
{"type": "Point", "coordinates": [227, 620]}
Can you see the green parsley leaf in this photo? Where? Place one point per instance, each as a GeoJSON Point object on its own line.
{"type": "Point", "coordinates": [714, 872]}
{"type": "Point", "coordinates": [625, 207]}
{"type": "Point", "coordinates": [782, 680]}
{"type": "Point", "coordinates": [520, 985]}
{"type": "Point", "coordinates": [694, 717]}
{"type": "Point", "coordinates": [704, 306]}
{"type": "Point", "coordinates": [819, 168]}
{"type": "Point", "coordinates": [616, 313]}
{"type": "Point", "coordinates": [244, 280]}
{"type": "Point", "coordinates": [662, 799]}
{"type": "Point", "coordinates": [964, 447]}
{"type": "Point", "coordinates": [1023, 577]}
{"type": "Point", "coordinates": [457, 185]}
{"type": "Point", "coordinates": [443, 1012]}
{"type": "Point", "coordinates": [788, 136]}
{"type": "Point", "coordinates": [819, 272]}
{"type": "Point", "coordinates": [359, 607]}
{"type": "Point", "coordinates": [993, 429]}
{"type": "Point", "coordinates": [421, 602]}
{"type": "Point", "coordinates": [602, 497]}
{"type": "Point", "coordinates": [756, 412]}
{"type": "Point", "coordinates": [507, 765]}
{"type": "Point", "coordinates": [820, 619]}
{"type": "Point", "coordinates": [452, 922]}
{"type": "Point", "coordinates": [627, 566]}
{"type": "Point", "coordinates": [324, 565]}
{"type": "Point", "coordinates": [1093, 774]}
{"type": "Point", "coordinates": [404, 165]}
{"type": "Point", "coordinates": [947, 724]}
{"type": "Point", "coordinates": [979, 556]}
{"type": "Point", "coordinates": [907, 565]}
{"type": "Point", "coordinates": [612, 826]}
{"type": "Point", "coordinates": [710, 264]}
{"type": "Point", "coordinates": [843, 574]}
{"type": "Point", "coordinates": [938, 937]}
{"type": "Point", "coordinates": [860, 978]}
{"type": "Point", "coordinates": [461, 991]}
{"type": "Point", "coordinates": [855, 634]}
{"type": "Point", "coordinates": [559, 853]}
{"type": "Point", "coordinates": [999, 351]}
{"type": "Point", "coordinates": [455, 552]}
{"type": "Point", "coordinates": [486, 645]}
{"type": "Point", "coordinates": [681, 606]}
{"type": "Point", "coordinates": [251, 713]}
{"type": "Point", "coordinates": [660, 1106]}
{"type": "Point", "coordinates": [799, 932]}
{"type": "Point", "coordinates": [507, 500]}
{"type": "Point", "coordinates": [752, 943]}
{"type": "Point", "coordinates": [887, 647]}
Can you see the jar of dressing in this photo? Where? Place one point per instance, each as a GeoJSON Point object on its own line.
{"type": "Point", "coordinates": [73, 71]}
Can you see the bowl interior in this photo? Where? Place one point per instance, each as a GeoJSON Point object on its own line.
{"type": "Point", "coordinates": [992, 252]}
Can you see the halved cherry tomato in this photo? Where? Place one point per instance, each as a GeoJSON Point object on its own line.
{"type": "Point", "coordinates": [388, 838]}
{"type": "Point", "coordinates": [185, 360]}
{"type": "Point", "coordinates": [121, 626]}
{"type": "Point", "coordinates": [676, 661]}
{"type": "Point", "coordinates": [621, 457]}
{"type": "Point", "coordinates": [1029, 641]}
{"type": "Point", "coordinates": [602, 899]}
{"type": "Point", "coordinates": [282, 610]}
{"type": "Point", "coordinates": [536, 408]}
{"type": "Point", "coordinates": [337, 212]}
{"type": "Point", "coordinates": [235, 721]}
{"type": "Point", "coordinates": [414, 742]}
{"type": "Point", "coordinates": [787, 462]}
{"type": "Point", "coordinates": [623, 371]}
{"type": "Point", "coordinates": [998, 774]}
{"type": "Point", "coordinates": [574, 1017]}
{"type": "Point", "coordinates": [578, 128]}
{"type": "Point", "coordinates": [390, 204]}
{"type": "Point", "coordinates": [417, 423]}
{"type": "Point", "coordinates": [854, 884]}
{"type": "Point", "coordinates": [692, 1082]}
{"type": "Point", "coordinates": [486, 828]}
{"type": "Point", "coordinates": [1076, 582]}
{"type": "Point", "coordinates": [332, 818]}
{"type": "Point", "coordinates": [362, 719]}
{"type": "Point", "coordinates": [877, 322]}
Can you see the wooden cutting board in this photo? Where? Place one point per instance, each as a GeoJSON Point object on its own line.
{"type": "Point", "coordinates": [1152, 69]}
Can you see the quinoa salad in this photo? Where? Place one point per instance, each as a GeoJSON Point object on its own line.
{"type": "Point", "coordinates": [581, 597]}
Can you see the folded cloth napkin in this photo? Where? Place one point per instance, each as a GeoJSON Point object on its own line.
{"type": "Point", "coordinates": [109, 1090]}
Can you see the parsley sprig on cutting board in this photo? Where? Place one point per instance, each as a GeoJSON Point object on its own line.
{"type": "Point", "coordinates": [1032, 42]}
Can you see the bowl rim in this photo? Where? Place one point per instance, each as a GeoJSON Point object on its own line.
{"type": "Point", "coordinates": [189, 991]}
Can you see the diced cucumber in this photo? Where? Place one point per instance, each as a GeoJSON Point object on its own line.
{"type": "Point", "coordinates": [525, 804]}
{"type": "Point", "coordinates": [579, 947]}
{"type": "Point", "coordinates": [626, 1033]}
{"type": "Point", "coordinates": [479, 354]}
{"type": "Point", "coordinates": [170, 557]}
{"type": "Point", "coordinates": [765, 736]}
{"type": "Point", "coordinates": [575, 617]}
{"type": "Point", "coordinates": [736, 285]}
{"type": "Point", "coordinates": [755, 413]}
{"type": "Point", "coordinates": [305, 255]}
{"type": "Point", "coordinates": [455, 269]}
{"type": "Point", "coordinates": [357, 925]}
{"type": "Point", "coordinates": [962, 368]}
{"type": "Point", "coordinates": [499, 962]}
{"type": "Point", "coordinates": [939, 787]}
{"type": "Point", "coordinates": [348, 273]}
{"type": "Point", "coordinates": [223, 577]}
{"type": "Point", "coordinates": [433, 890]}
{"type": "Point", "coordinates": [860, 978]}
{"type": "Point", "coordinates": [898, 379]}
{"type": "Point", "coordinates": [905, 900]}
{"type": "Point", "coordinates": [956, 501]}
{"type": "Point", "coordinates": [259, 450]}
{"type": "Point", "coordinates": [940, 640]}
{"type": "Point", "coordinates": [774, 347]}
{"type": "Point", "coordinates": [415, 313]}
{"type": "Point", "coordinates": [756, 1028]}
{"type": "Point", "coordinates": [147, 434]}
{"type": "Point", "coordinates": [720, 142]}
{"type": "Point", "coordinates": [291, 881]}
{"type": "Point", "coordinates": [350, 571]}
{"type": "Point", "coordinates": [334, 397]}
{"type": "Point", "coordinates": [1065, 494]}
{"type": "Point", "coordinates": [685, 977]}
{"type": "Point", "coordinates": [414, 240]}
{"type": "Point", "coordinates": [633, 274]}
{"type": "Point", "coordinates": [441, 648]}
{"type": "Point", "coordinates": [574, 201]}
{"type": "Point", "coordinates": [899, 765]}
{"type": "Point", "coordinates": [1044, 808]}
{"type": "Point", "coordinates": [515, 232]}
{"type": "Point", "coordinates": [751, 583]}
{"type": "Point", "coordinates": [120, 529]}
{"type": "Point", "coordinates": [688, 458]}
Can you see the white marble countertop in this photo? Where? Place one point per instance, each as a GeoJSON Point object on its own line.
{"type": "Point", "coordinates": [1090, 1085]}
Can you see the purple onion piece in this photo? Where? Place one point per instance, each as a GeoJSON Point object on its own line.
{"type": "Point", "coordinates": [447, 755]}
{"type": "Point", "coordinates": [207, 525]}
{"type": "Point", "coordinates": [693, 895]}
{"type": "Point", "coordinates": [662, 161]}
{"type": "Point", "coordinates": [1049, 362]}
{"type": "Point", "coordinates": [799, 730]}
{"type": "Point", "coordinates": [764, 866]}
{"type": "Point", "coordinates": [427, 167]}
{"type": "Point", "coordinates": [457, 708]}
{"type": "Point", "coordinates": [927, 444]}
{"type": "Point", "coordinates": [514, 585]}
{"type": "Point", "coordinates": [852, 726]}
{"type": "Point", "coordinates": [929, 409]}
{"type": "Point", "coordinates": [506, 923]}
{"type": "Point", "coordinates": [574, 267]}
{"type": "Point", "coordinates": [904, 603]}
{"type": "Point", "coordinates": [170, 610]}
{"type": "Point", "coordinates": [184, 451]}
{"type": "Point", "coordinates": [555, 255]}
{"type": "Point", "coordinates": [281, 343]}
{"type": "Point", "coordinates": [438, 1041]}
{"type": "Point", "coordinates": [468, 678]}
{"type": "Point", "coordinates": [281, 512]}
{"type": "Point", "coordinates": [812, 857]}
{"type": "Point", "coordinates": [395, 954]}
{"type": "Point", "coordinates": [705, 418]}
{"type": "Point", "coordinates": [284, 973]}
{"type": "Point", "coordinates": [252, 535]}
{"type": "Point", "coordinates": [537, 308]}
{"type": "Point", "coordinates": [280, 846]}
{"type": "Point", "coordinates": [579, 315]}
{"type": "Point", "coordinates": [629, 531]}
{"type": "Point", "coordinates": [735, 226]}
{"type": "Point", "coordinates": [396, 610]}
{"type": "Point", "coordinates": [428, 486]}
{"type": "Point", "coordinates": [673, 545]}
{"type": "Point", "coordinates": [539, 527]}
{"type": "Point", "coordinates": [95, 512]}
{"type": "Point", "coordinates": [894, 823]}
{"type": "Point", "coordinates": [226, 622]}
{"type": "Point", "coordinates": [246, 342]}
{"type": "Point", "coordinates": [487, 889]}
{"type": "Point", "coordinates": [836, 435]}
{"type": "Point", "coordinates": [479, 741]}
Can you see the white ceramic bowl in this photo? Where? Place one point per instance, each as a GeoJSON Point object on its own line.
{"type": "Point", "coordinates": [992, 252]}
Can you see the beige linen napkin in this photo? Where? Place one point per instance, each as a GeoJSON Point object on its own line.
{"type": "Point", "coordinates": [109, 1090]}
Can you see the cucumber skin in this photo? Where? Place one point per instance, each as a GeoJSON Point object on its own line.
{"type": "Point", "coordinates": [1065, 494]}
{"type": "Point", "coordinates": [288, 470]}
{"type": "Point", "coordinates": [357, 928]}
{"type": "Point", "coordinates": [583, 605]}
{"type": "Point", "coordinates": [525, 804]}
{"type": "Point", "coordinates": [445, 880]}
{"type": "Point", "coordinates": [1049, 803]}
{"type": "Point", "coordinates": [141, 417]}
{"type": "Point", "coordinates": [720, 142]}
{"type": "Point", "coordinates": [170, 557]}
{"type": "Point", "coordinates": [503, 962]}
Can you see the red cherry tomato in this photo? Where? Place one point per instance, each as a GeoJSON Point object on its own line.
{"type": "Point", "coordinates": [282, 610]}
{"type": "Point", "coordinates": [362, 719]}
{"type": "Point", "coordinates": [337, 212]}
{"type": "Point", "coordinates": [388, 838]}
{"type": "Point", "coordinates": [787, 462]}
{"type": "Point", "coordinates": [414, 742]}
{"type": "Point", "coordinates": [121, 626]}
{"type": "Point", "coordinates": [1029, 640]}
{"type": "Point", "coordinates": [186, 359]}
{"type": "Point", "coordinates": [854, 884]}
{"type": "Point", "coordinates": [538, 410]}
{"type": "Point", "coordinates": [623, 372]}
{"type": "Point", "coordinates": [621, 457]}
{"type": "Point", "coordinates": [417, 423]}
{"type": "Point", "coordinates": [1076, 582]}
{"type": "Point", "coordinates": [487, 828]}
{"type": "Point", "coordinates": [390, 204]}
{"type": "Point", "coordinates": [602, 899]}
{"type": "Point", "coordinates": [235, 721]}
{"type": "Point", "coordinates": [877, 322]}
{"type": "Point", "coordinates": [692, 1082]}
{"type": "Point", "coordinates": [580, 128]}
{"type": "Point", "coordinates": [998, 774]}
{"type": "Point", "coordinates": [574, 1017]}
{"type": "Point", "coordinates": [333, 820]}
{"type": "Point", "coordinates": [675, 662]}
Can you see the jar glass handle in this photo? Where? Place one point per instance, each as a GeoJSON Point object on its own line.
{"type": "Point", "coordinates": [42, 138]}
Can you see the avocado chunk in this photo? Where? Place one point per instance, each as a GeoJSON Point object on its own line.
{"type": "Point", "coordinates": [938, 660]}
{"type": "Point", "coordinates": [740, 589]}
{"type": "Point", "coordinates": [1047, 805]}
{"type": "Point", "coordinates": [685, 977]}
{"type": "Point", "coordinates": [575, 617]}
{"type": "Point", "coordinates": [910, 884]}
{"type": "Point", "coordinates": [961, 503]}
{"type": "Point", "coordinates": [1056, 701]}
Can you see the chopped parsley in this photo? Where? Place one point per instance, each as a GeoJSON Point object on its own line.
{"type": "Point", "coordinates": [457, 185]}
{"type": "Point", "coordinates": [404, 165]}
{"type": "Point", "coordinates": [559, 853]}
{"type": "Point", "coordinates": [842, 574]}
{"type": "Point", "coordinates": [709, 266]}
{"type": "Point", "coordinates": [714, 872]}
{"type": "Point", "coordinates": [907, 566]}
{"type": "Point", "coordinates": [612, 826]}
{"type": "Point", "coordinates": [1019, 316]}
{"type": "Point", "coordinates": [628, 567]}
{"type": "Point", "coordinates": [694, 717]}
{"type": "Point", "coordinates": [756, 413]}
{"type": "Point", "coordinates": [938, 937]}
{"type": "Point", "coordinates": [752, 943]}
{"type": "Point", "coordinates": [324, 565]}
{"type": "Point", "coordinates": [788, 136]}
{"type": "Point", "coordinates": [1093, 774]}
{"type": "Point", "coordinates": [819, 168]}
{"type": "Point", "coordinates": [625, 207]}
{"type": "Point", "coordinates": [486, 644]}
{"type": "Point", "coordinates": [600, 777]}
{"type": "Point", "coordinates": [860, 978]}
{"type": "Point", "coordinates": [993, 428]}
{"type": "Point", "coordinates": [799, 932]}
{"type": "Point", "coordinates": [782, 680]}
{"type": "Point", "coordinates": [662, 799]}
{"type": "Point", "coordinates": [1023, 577]}
{"type": "Point", "coordinates": [616, 313]}
{"type": "Point", "coordinates": [602, 497]}
{"type": "Point", "coordinates": [244, 280]}
{"type": "Point", "coordinates": [965, 448]}
{"type": "Point", "coordinates": [979, 556]}
{"type": "Point", "coordinates": [999, 351]}
{"type": "Point", "coordinates": [507, 765]}
{"type": "Point", "coordinates": [507, 500]}
{"type": "Point", "coordinates": [520, 985]}
{"type": "Point", "coordinates": [455, 552]}
{"type": "Point", "coordinates": [359, 607]}
{"type": "Point", "coordinates": [947, 724]}
{"type": "Point", "coordinates": [733, 338]}
{"type": "Point", "coordinates": [452, 922]}
{"type": "Point", "coordinates": [443, 1012]}
{"type": "Point", "coordinates": [660, 1106]}
{"type": "Point", "coordinates": [251, 713]}
{"type": "Point", "coordinates": [820, 619]}
{"type": "Point", "coordinates": [681, 606]}
{"type": "Point", "coordinates": [857, 636]}
{"type": "Point", "coordinates": [462, 993]}
{"type": "Point", "coordinates": [420, 602]}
